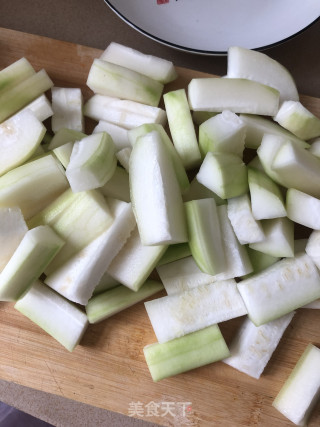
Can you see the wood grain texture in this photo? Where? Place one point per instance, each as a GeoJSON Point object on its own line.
{"type": "Point", "coordinates": [108, 369]}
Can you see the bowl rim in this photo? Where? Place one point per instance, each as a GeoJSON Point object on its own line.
{"type": "Point", "coordinates": [200, 51]}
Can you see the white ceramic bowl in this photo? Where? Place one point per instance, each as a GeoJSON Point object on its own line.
{"type": "Point", "coordinates": [210, 27]}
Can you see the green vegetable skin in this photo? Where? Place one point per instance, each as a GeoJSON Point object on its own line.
{"type": "Point", "coordinates": [21, 94]}
{"type": "Point", "coordinates": [182, 128]}
{"type": "Point", "coordinates": [174, 253]}
{"type": "Point", "coordinates": [112, 301]}
{"type": "Point", "coordinates": [205, 235]}
{"type": "Point", "coordinates": [14, 74]}
{"type": "Point", "coordinates": [110, 79]}
{"type": "Point", "coordinates": [182, 354]}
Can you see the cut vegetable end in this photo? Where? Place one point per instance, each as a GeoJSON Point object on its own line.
{"type": "Point", "coordinates": [301, 391]}
{"type": "Point", "coordinates": [92, 162]}
{"type": "Point", "coordinates": [134, 263]}
{"type": "Point", "coordinates": [257, 66]}
{"type": "Point", "coordinates": [253, 346]}
{"type": "Point", "coordinates": [225, 174]}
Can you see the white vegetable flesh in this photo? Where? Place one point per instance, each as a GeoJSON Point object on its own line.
{"type": "Point", "coordinates": [118, 134]}
{"type": "Point", "coordinates": [156, 68]}
{"type": "Point", "coordinates": [67, 109]}
{"type": "Point", "coordinates": [134, 263]}
{"type": "Point", "coordinates": [224, 173]}
{"type": "Point", "coordinates": [12, 230]}
{"type": "Point", "coordinates": [301, 391]}
{"type": "Point", "coordinates": [155, 193]}
{"type": "Point", "coordinates": [35, 251]}
{"type": "Point", "coordinates": [266, 197]}
{"type": "Point", "coordinates": [124, 113]}
{"type": "Point", "coordinates": [298, 120]}
{"type": "Point", "coordinates": [249, 64]}
{"type": "Point", "coordinates": [177, 315]}
{"type": "Point", "coordinates": [77, 278]}
{"type": "Point", "coordinates": [278, 290]}
{"type": "Point", "coordinates": [17, 145]}
{"type": "Point", "coordinates": [236, 95]}
{"type": "Point", "coordinates": [58, 317]}
{"type": "Point", "coordinates": [245, 226]}
{"type": "Point", "coordinates": [303, 208]}
{"type": "Point", "coordinates": [223, 132]}
{"type": "Point", "coordinates": [279, 238]}
{"type": "Point", "coordinates": [252, 347]}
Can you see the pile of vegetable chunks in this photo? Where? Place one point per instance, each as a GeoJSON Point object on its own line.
{"type": "Point", "coordinates": [211, 203]}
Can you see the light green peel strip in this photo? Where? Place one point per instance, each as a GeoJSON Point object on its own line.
{"type": "Point", "coordinates": [23, 93]}
{"type": "Point", "coordinates": [113, 301]}
{"type": "Point", "coordinates": [188, 352]}
{"type": "Point", "coordinates": [204, 232]}
{"type": "Point", "coordinates": [175, 252]}
{"type": "Point", "coordinates": [14, 74]}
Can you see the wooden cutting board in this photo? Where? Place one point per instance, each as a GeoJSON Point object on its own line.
{"type": "Point", "coordinates": [108, 369]}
